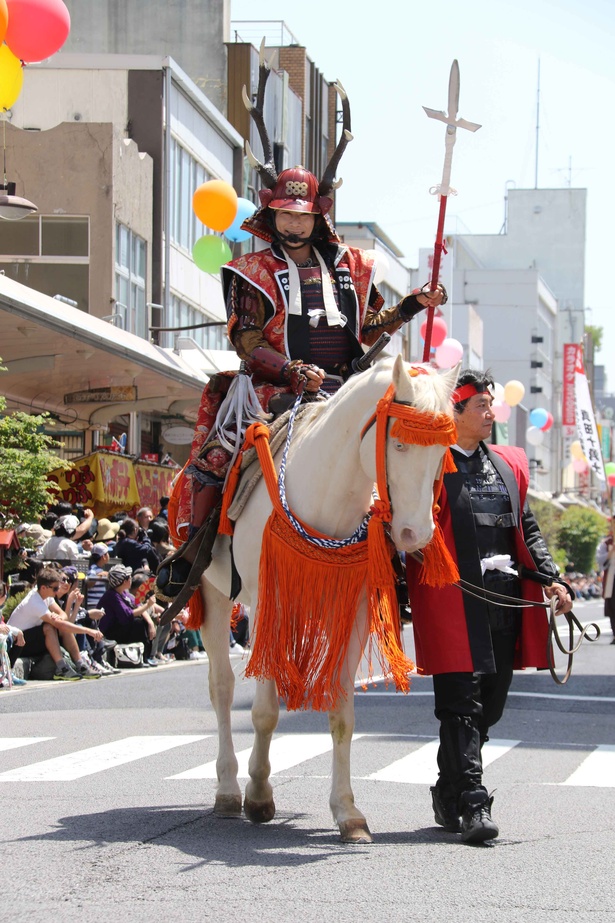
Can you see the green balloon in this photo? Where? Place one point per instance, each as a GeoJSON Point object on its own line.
{"type": "Point", "coordinates": [210, 253]}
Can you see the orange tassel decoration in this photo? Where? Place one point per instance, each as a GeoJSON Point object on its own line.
{"type": "Point", "coordinates": [196, 611]}
{"type": "Point", "coordinates": [307, 604]}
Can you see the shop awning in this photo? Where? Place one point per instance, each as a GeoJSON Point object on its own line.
{"type": "Point", "coordinates": [51, 349]}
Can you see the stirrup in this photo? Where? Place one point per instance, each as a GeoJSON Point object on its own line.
{"type": "Point", "coordinates": [203, 542]}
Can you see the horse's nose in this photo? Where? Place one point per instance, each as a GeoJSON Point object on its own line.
{"type": "Point", "coordinates": [411, 539]}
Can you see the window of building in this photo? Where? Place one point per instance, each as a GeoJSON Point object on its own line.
{"type": "Point", "coordinates": [71, 443]}
{"type": "Point", "coordinates": [184, 315]}
{"type": "Point", "coordinates": [187, 174]}
{"type": "Point", "coordinates": [130, 275]}
{"type": "Point", "coordinates": [50, 253]}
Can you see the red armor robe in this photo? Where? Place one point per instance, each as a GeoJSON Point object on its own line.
{"type": "Point", "coordinates": [451, 629]}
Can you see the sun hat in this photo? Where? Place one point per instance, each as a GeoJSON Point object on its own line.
{"type": "Point", "coordinates": [107, 530]}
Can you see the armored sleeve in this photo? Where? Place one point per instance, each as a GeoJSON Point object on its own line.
{"type": "Point", "coordinates": [387, 320]}
{"type": "Point", "coordinates": [246, 308]}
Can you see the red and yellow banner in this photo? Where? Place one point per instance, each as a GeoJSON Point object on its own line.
{"type": "Point", "coordinates": [108, 482]}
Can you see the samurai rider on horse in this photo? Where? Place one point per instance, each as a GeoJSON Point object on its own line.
{"type": "Point", "coordinates": [299, 313]}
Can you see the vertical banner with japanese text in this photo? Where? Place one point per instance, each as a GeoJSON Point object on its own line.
{"type": "Point", "coordinates": [570, 361]}
{"type": "Point", "coordinates": [586, 422]}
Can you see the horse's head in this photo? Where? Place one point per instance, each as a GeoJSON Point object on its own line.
{"type": "Point", "coordinates": [413, 453]}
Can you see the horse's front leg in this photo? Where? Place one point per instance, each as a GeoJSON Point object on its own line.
{"type": "Point", "coordinates": [215, 634]}
{"type": "Point", "coordinates": [259, 805]}
{"type": "Point", "coordinates": [351, 822]}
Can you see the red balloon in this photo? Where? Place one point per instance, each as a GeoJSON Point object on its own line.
{"type": "Point", "coordinates": [439, 331]}
{"type": "Point", "coordinates": [611, 480]}
{"type": "Point", "coordinates": [37, 28]}
{"type": "Point", "coordinates": [549, 422]}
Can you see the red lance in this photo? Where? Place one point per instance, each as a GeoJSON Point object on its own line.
{"type": "Point", "coordinates": [444, 189]}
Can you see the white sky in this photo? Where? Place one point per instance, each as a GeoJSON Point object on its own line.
{"type": "Point", "coordinates": [393, 57]}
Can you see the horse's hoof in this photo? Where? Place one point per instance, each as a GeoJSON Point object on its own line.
{"type": "Point", "coordinates": [355, 831]}
{"type": "Point", "coordinates": [227, 806]}
{"type": "Point", "coordinates": [259, 812]}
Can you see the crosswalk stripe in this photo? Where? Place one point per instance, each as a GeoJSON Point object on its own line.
{"type": "Point", "coordinates": [96, 759]}
{"type": "Point", "coordinates": [421, 767]}
{"type": "Point", "coordinates": [13, 743]}
{"type": "Point", "coordinates": [285, 753]}
{"type": "Point", "coordinates": [597, 769]}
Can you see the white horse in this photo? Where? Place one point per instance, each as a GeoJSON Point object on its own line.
{"type": "Point", "coordinates": [330, 477]}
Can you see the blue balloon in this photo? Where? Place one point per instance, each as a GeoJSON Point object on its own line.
{"type": "Point", "coordinates": [245, 208]}
{"type": "Point", "coordinates": [538, 417]}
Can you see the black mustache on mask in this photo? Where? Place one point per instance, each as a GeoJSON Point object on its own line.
{"type": "Point", "coordinates": [292, 238]}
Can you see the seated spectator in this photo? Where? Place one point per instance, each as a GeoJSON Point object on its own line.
{"type": "Point", "coordinates": [61, 546]}
{"type": "Point", "coordinates": [144, 517]}
{"type": "Point", "coordinates": [158, 534]}
{"type": "Point", "coordinates": [85, 518]}
{"type": "Point", "coordinates": [133, 553]}
{"type": "Point", "coordinates": [9, 636]}
{"type": "Point", "coordinates": [88, 524]}
{"type": "Point", "coordinates": [45, 625]}
{"type": "Point", "coordinates": [106, 533]}
{"type": "Point", "coordinates": [71, 600]}
{"type": "Point", "coordinates": [143, 589]}
{"type": "Point", "coordinates": [97, 574]}
{"type": "Point", "coordinates": [32, 536]}
{"type": "Point", "coordinates": [124, 621]}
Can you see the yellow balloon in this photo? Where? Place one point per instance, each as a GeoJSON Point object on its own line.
{"type": "Point", "coordinates": [513, 392]}
{"type": "Point", "coordinates": [11, 77]}
{"type": "Point", "coordinates": [576, 450]}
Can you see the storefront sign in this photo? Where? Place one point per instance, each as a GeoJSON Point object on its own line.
{"type": "Point", "coordinates": [112, 395]}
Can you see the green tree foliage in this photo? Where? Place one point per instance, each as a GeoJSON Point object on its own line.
{"type": "Point", "coordinates": [579, 532]}
{"type": "Point", "coordinates": [27, 455]}
{"type": "Point", "coordinates": [596, 335]}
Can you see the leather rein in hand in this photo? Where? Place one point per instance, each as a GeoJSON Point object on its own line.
{"type": "Point", "coordinates": [512, 602]}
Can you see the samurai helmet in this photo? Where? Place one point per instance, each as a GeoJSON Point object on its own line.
{"type": "Point", "coordinates": [296, 190]}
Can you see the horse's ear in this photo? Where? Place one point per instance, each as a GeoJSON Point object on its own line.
{"type": "Point", "coordinates": [399, 371]}
{"type": "Point", "coordinates": [401, 379]}
{"type": "Point", "coordinates": [450, 377]}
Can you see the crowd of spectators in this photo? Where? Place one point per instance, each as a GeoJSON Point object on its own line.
{"type": "Point", "coordinates": [80, 590]}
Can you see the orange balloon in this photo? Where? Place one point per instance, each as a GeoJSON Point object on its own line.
{"type": "Point", "coordinates": [4, 19]}
{"type": "Point", "coordinates": [215, 204]}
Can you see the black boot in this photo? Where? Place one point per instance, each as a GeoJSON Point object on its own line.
{"type": "Point", "coordinates": [179, 574]}
{"type": "Point", "coordinates": [445, 810]}
{"type": "Point", "coordinates": [477, 824]}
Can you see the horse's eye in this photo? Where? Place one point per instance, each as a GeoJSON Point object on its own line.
{"type": "Point", "coordinates": [400, 446]}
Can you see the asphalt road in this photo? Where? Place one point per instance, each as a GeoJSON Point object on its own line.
{"type": "Point", "coordinates": [108, 791]}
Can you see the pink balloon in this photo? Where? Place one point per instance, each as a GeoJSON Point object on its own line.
{"type": "Point", "coordinates": [438, 331]}
{"type": "Point", "coordinates": [37, 28]}
{"type": "Point", "coordinates": [549, 422]}
{"type": "Point", "coordinates": [448, 353]}
{"type": "Point", "coordinates": [501, 411]}
{"type": "Point", "coordinates": [579, 465]}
